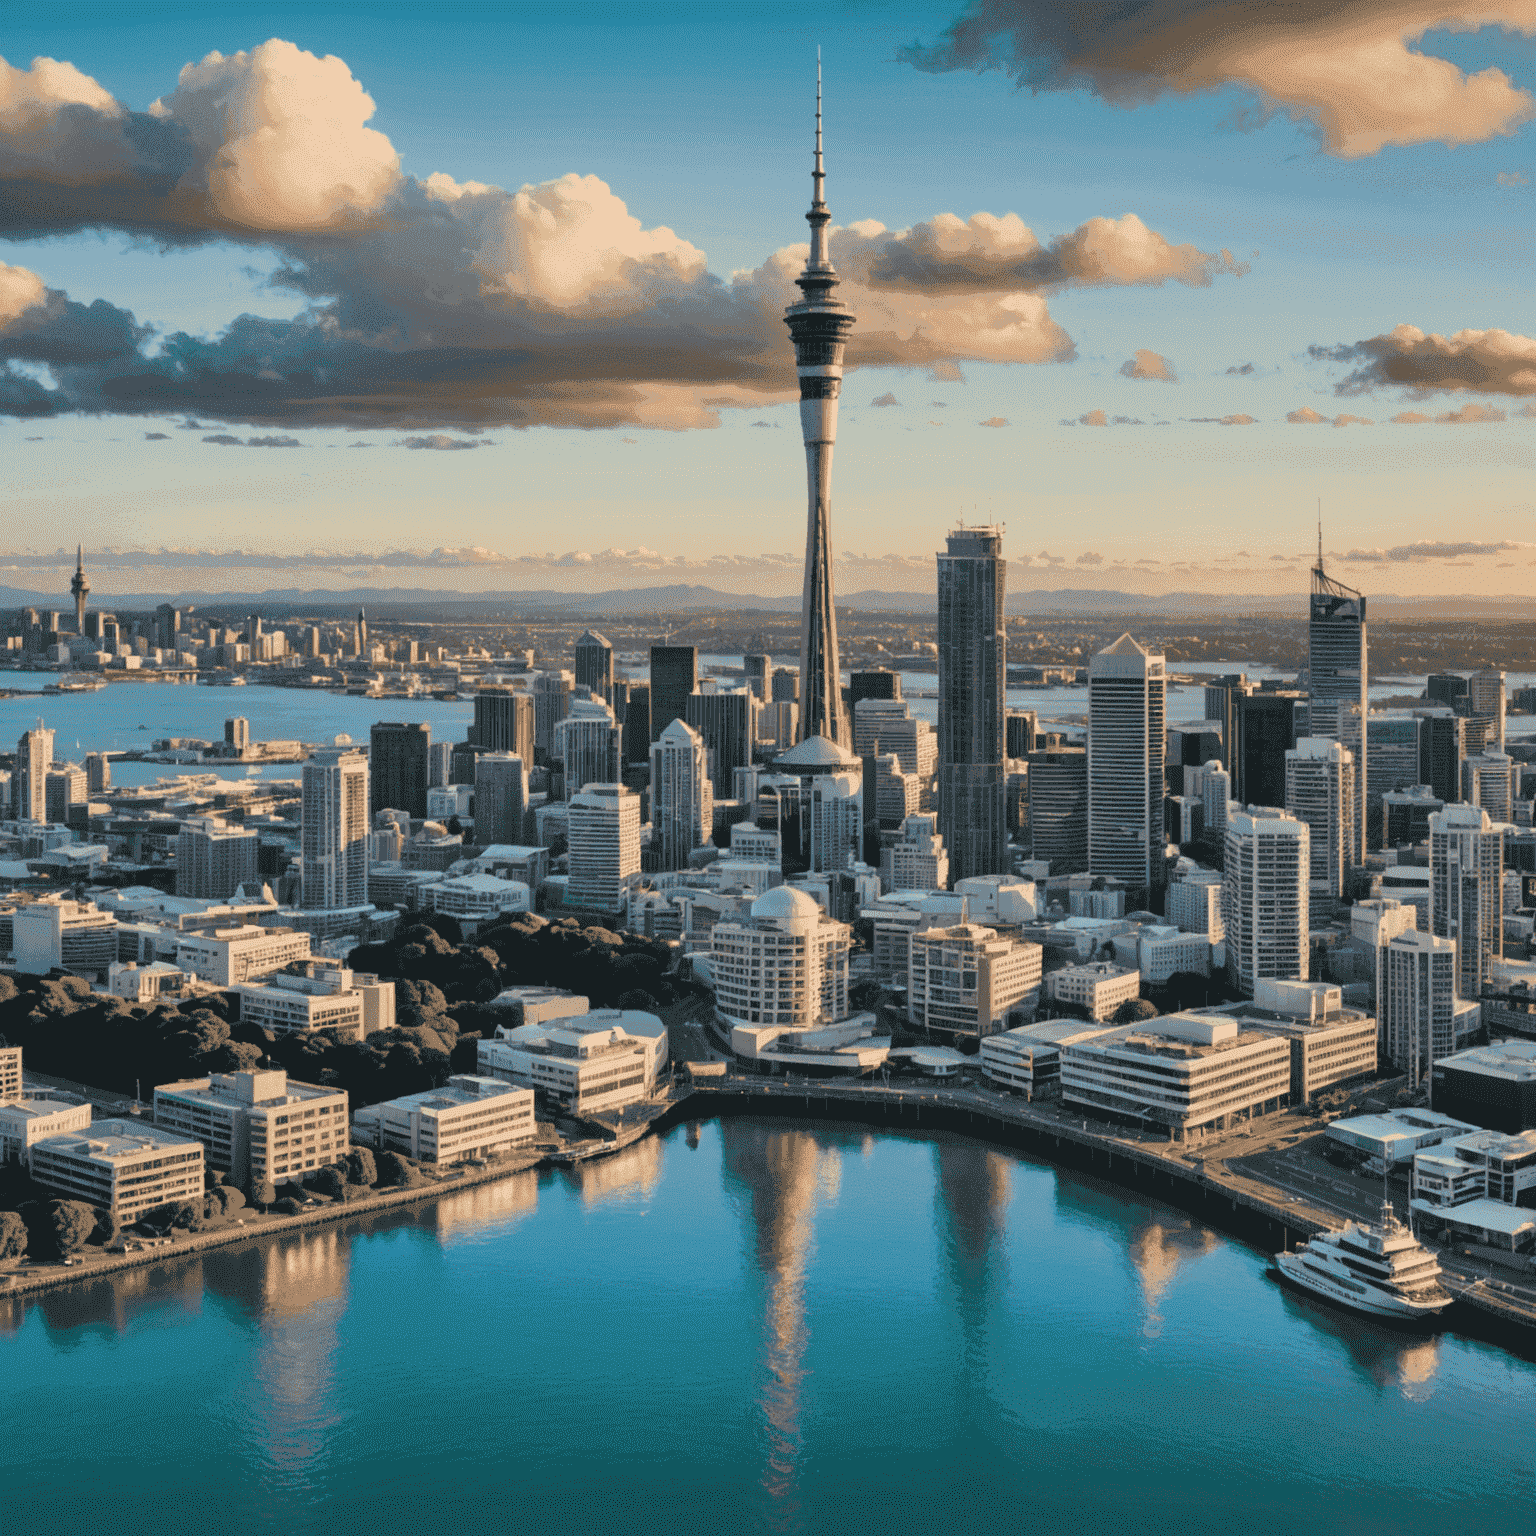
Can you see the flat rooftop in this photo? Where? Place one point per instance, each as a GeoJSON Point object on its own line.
{"type": "Point", "coordinates": [1492, 1215]}
{"type": "Point", "coordinates": [1512, 1060]}
{"type": "Point", "coordinates": [108, 1141]}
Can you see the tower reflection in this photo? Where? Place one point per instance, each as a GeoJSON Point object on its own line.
{"type": "Point", "coordinates": [1160, 1249]}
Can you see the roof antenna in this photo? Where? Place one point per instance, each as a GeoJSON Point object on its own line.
{"type": "Point", "coordinates": [1319, 535]}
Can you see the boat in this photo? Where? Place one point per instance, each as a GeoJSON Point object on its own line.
{"type": "Point", "coordinates": [1379, 1268]}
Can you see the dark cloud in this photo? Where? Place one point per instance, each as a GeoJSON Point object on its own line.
{"type": "Point", "coordinates": [1490, 362]}
{"type": "Point", "coordinates": [885, 401]}
{"type": "Point", "coordinates": [1245, 369]}
{"type": "Point", "coordinates": [1434, 549]}
{"type": "Point", "coordinates": [439, 442]}
{"type": "Point", "coordinates": [229, 440]}
{"type": "Point", "coordinates": [157, 437]}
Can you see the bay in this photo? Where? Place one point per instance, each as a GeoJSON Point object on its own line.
{"type": "Point", "coordinates": [753, 1325]}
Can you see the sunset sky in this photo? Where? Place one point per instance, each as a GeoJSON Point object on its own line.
{"type": "Point", "coordinates": [1142, 284]}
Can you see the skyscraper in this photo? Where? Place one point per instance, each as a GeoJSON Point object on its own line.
{"type": "Point", "coordinates": [398, 766]}
{"type": "Point", "coordinates": [755, 666]}
{"type": "Point", "coordinates": [1338, 662]}
{"type": "Point", "coordinates": [552, 692]}
{"type": "Point", "coordinates": [98, 773]}
{"type": "Point", "coordinates": [819, 325]}
{"type": "Point", "coordinates": [79, 589]}
{"type": "Point", "coordinates": [1058, 808]}
{"type": "Point", "coordinates": [504, 722]}
{"type": "Point", "coordinates": [674, 675]}
{"type": "Point", "coordinates": [877, 683]}
{"type": "Point", "coordinates": [1221, 696]}
{"type": "Point", "coordinates": [1263, 731]}
{"type": "Point", "coordinates": [637, 723]}
{"type": "Point", "coordinates": [682, 798]}
{"type": "Point", "coordinates": [1442, 749]}
{"type": "Point", "coordinates": [594, 664]}
{"type": "Point", "coordinates": [728, 724]}
{"type": "Point", "coordinates": [1264, 899]}
{"type": "Point", "coordinates": [1320, 790]}
{"type": "Point", "coordinates": [237, 734]}
{"type": "Point", "coordinates": [588, 742]}
{"type": "Point", "coordinates": [603, 835]}
{"type": "Point", "coordinates": [501, 798]}
{"type": "Point", "coordinates": [973, 666]}
{"type": "Point", "coordinates": [213, 858]}
{"type": "Point", "coordinates": [1126, 738]}
{"type": "Point", "coordinates": [1485, 692]}
{"type": "Point", "coordinates": [1488, 780]}
{"type": "Point", "coordinates": [334, 838]}
{"type": "Point", "coordinates": [34, 757]}
{"type": "Point", "coordinates": [1416, 1002]}
{"type": "Point", "coordinates": [1392, 759]}
{"type": "Point", "coordinates": [1466, 898]}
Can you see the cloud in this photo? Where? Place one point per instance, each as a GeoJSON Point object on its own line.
{"type": "Point", "coordinates": [1126, 421]}
{"type": "Point", "coordinates": [994, 421]}
{"type": "Point", "coordinates": [1469, 414]}
{"type": "Point", "coordinates": [1345, 420]}
{"type": "Point", "coordinates": [1223, 421]}
{"type": "Point", "coordinates": [359, 445]}
{"type": "Point", "coordinates": [229, 440]}
{"type": "Point", "coordinates": [1512, 179]}
{"type": "Point", "coordinates": [1411, 418]}
{"type": "Point", "coordinates": [440, 442]}
{"type": "Point", "coordinates": [1489, 362]}
{"type": "Point", "coordinates": [770, 425]}
{"type": "Point", "coordinates": [1434, 549]}
{"type": "Point", "coordinates": [1093, 419]}
{"type": "Point", "coordinates": [1355, 71]}
{"type": "Point", "coordinates": [1148, 365]}
{"type": "Point", "coordinates": [157, 437]}
{"type": "Point", "coordinates": [1245, 369]}
{"type": "Point", "coordinates": [1090, 557]}
{"type": "Point", "coordinates": [1306, 416]}
{"type": "Point", "coordinates": [885, 401]}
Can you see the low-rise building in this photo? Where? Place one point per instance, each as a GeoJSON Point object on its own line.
{"type": "Point", "coordinates": [539, 1005]}
{"type": "Point", "coordinates": [123, 1167]}
{"type": "Point", "coordinates": [257, 1126]}
{"type": "Point", "coordinates": [26, 1121]}
{"type": "Point", "coordinates": [969, 981]}
{"type": "Point", "coordinates": [1097, 988]}
{"type": "Point", "coordinates": [229, 956]}
{"type": "Point", "coordinates": [1485, 1165]}
{"type": "Point", "coordinates": [594, 1064]}
{"type": "Point", "coordinates": [290, 1005]}
{"type": "Point", "coordinates": [472, 1117]}
{"type": "Point", "coordinates": [1157, 951]}
{"type": "Point", "coordinates": [1493, 1086]}
{"type": "Point", "coordinates": [147, 983]}
{"type": "Point", "coordinates": [1396, 1135]}
{"type": "Point", "coordinates": [1180, 1074]}
{"type": "Point", "coordinates": [53, 933]}
{"type": "Point", "coordinates": [475, 899]}
{"type": "Point", "coordinates": [1027, 1059]}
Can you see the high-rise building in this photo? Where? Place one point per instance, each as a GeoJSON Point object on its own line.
{"type": "Point", "coordinates": [594, 664]}
{"type": "Point", "coordinates": [973, 667]}
{"type": "Point", "coordinates": [1020, 728]}
{"type": "Point", "coordinates": [98, 773]}
{"type": "Point", "coordinates": [167, 627]}
{"type": "Point", "coordinates": [66, 787]}
{"type": "Point", "coordinates": [1442, 750]}
{"type": "Point", "coordinates": [34, 757]}
{"type": "Point", "coordinates": [1392, 762]}
{"type": "Point", "coordinates": [334, 837]}
{"type": "Point", "coordinates": [398, 768]}
{"type": "Point", "coordinates": [603, 836]}
{"type": "Point", "coordinates": [1405, 814]}
{"type": "Point", "coordinates": [237, 733]}
{"type": "Point", "coordinates": [1338, 661]}
{"type": "Point", "coordinates": [1058, 808]}
{"type": "Point", "coordinates": [756, 667]}
{"type": "Point", "coordinates": [439, 763]}
{"type": "Point", "coordinates": [785, 964]}
{"type": "Point", "coordinates": [1320, 790]}
{"type": "Point", "coordinates": [1264, 898]}
{"type": "Point", "coordinates": [1485, 695]}
{"type": "Point", "coordinates": [1216, 799]}
{"type": "Point", "coordinates": [504, 722]}
{"type": "Point", "coordinates": [819, 325]}
{"type": "Point", "coordinates": [879, 683]}
{"type": "Point", "coordinates": [682, 796]}
{"type": "Point", "coordinates": [918, 859]}
{"type": "Point", "coordinates": [727, 722]}
{"type": "Point", "coordinates": [1190, 748]}
{"type": "Point", "coordinates": [1488, 780]}
{"type": "Point", "coordinates": [637, 723]}
{"type": "Point", "coordinates": [674, 676]}
{"type": "Point", "coordinates": [784, 686]}
{"type": "Point", "coordinates": [1466, 899]}
{"type": "Point", "coordinates": [1221, 696]}
{"type": "Point", "coordinates": [588, 742]}
{"type": "Point", "coordinates": [501, 798]}
{"type": "Point", "coordinates": [552, 695]}
{"type": "Point", "coordinates": [1447, 688]}
{"type": "Point", "coordinates": [360, 635]}
{"type": "Point", "coordinates": [214, 859]}
{"type": "Point", "coordinates": [1126, 739]}
{"type": "Point", "coordinates": [1416, 1002]}
{"type": "Point", "coordinates": [1264, 730]}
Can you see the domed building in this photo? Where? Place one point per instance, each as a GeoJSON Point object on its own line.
{"type": "Point", "coordinates": [786, 964]}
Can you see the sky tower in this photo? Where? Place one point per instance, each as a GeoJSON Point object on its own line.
{"type": "Point", "coordinates": [79, 589]}
{"type": "Point", "coordinates": [819, 325]}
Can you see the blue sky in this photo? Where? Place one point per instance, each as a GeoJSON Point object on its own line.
{"type": "Point", "coordinates": [698, 118]}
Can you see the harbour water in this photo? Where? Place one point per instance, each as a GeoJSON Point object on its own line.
{"type": "Point", "coordinates": [753, 1326]}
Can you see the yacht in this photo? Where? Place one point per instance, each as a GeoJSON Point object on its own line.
{"type": "Point", "coordinates": [1380, 1268]}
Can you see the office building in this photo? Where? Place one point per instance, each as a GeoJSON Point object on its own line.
{"type": "Point", "coordinates": [1020, 727]}
{"type": "Point", "coordinates": [815, 798]}
{"type": "Point", "coordinates": [326, 995]}
{"type": "Point", "coordinates": [886, 725]}
{"type": "Point", "coordinates": [786, 964]}
{"type": "Point", "coordinates": [755, 668]}
{"type": "Point", "coordinates": [98, 773]}
{"type": "Point", "coordinates": [55, 933]}
{"type": "Point", "coordinates": [501, 798]}
{"type": "Point", "coordinates": [1487, 780]}
{"type": "Point", "coordinates": [1405, 815]}
{"type": "Point", "coordinates": [25, 1122]}
{"type": "Point", "coordinates": [674, 676]}
{"type": "Point", "coordinates": [1215, 800]}
{"type": "Point", "coordinates": [589, 743]}
{"type": "Point", "coordinates": [1448, 688]}
{"type": "Point", "coordinates": [682, 796]}
{"type": "Point", "coordinates": [1265, 898]}
{"type": "Point", "coordinates": [1027, 1059]}
{"type": "Point", "coordinates": [504, 722]}
{"type": "Point", "coordinates": [1264, 730]}
{"type": "Point", "coordinates": [1221, 696]}
{"type": "Point", "coordinates": [334, 837]}
{"type": "Point", "coordinates": [228, 956]}
{"type": "Point", "coordinates": [1491, 1085]}
{"type": "Point", "coordinates": [1373, 924]}
{"type": "Point", "coordinates": [1126, 740]}
{"type": "Point", "coordinates": [65, 788]}
{"type": "Point", "coordinates": [1183, 1074]}
{"type": "Point", "coordinates": [469, 1119]}
{"type": "Point", "coordinates": [973, 668]}
{"type": "Point", "coordinates": [637, 723]}
{"type": "Point", "coordinates": [591, 1065]}
{"type": "Point", "coordinates": [256, 1126]}
{"type": "Point", "coordinates": [603, 837]}
{"type": "Point", "coordinates": [1485, 697]}
{"type": "Point", "coordinates": [1058, 808]}
{"type": "Point", "coordinates": [29, 786]}
{"type": "Point", "coordinates": [552, 695]}
{"type": "Point", "coordinates": [968, 982]}
{"type": "Point", "coordinates": [727, 724]}
{"type": "Point", "coordinates": [1194, 905]}
{"type": "Point", "coordinates": [1338, 661]}
{"type": "Point", "coordinates": [1442, 749]}
{"type": "Point", "coordinates": [1190, 748]}
{"type": "Point", "coordinates": [918, 859]}
{"type": "Point", "coordinates": [214, 858]}
{"type": "Point", "coordinates": [1393, 754]}
{"type": "Point", "coordinates": [877, 683]}
{"type": "Point", "coordinates": [439, 764]}
{"type": "Point", "coordinates": [1320, 790]}
{"type": "Point", "coordinates": [784, 686]}
{"type": "Point", "coordinates": [1097, 988]}
{"type": "Point", "coordinates": [122, 1167]}
{"type": "Point", "coordinates": [237, 734]}
{"type": "Point", "coordinates": [1417, 1009]}
{"type": "Point", "coordinates": [398, 768]}
{"type": "Point", "coordinates": [480, 898]}
{"type": "Point", "coordinates": [890, 793]}
{"type": "Point", "coordinates": [1466, 900]}
{"type": "Point", "coordinates": [594, 665]}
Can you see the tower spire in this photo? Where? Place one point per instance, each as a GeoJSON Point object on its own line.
{"type": "Point", "coordinates": [79, 589]}
{"type": "Point", "coordinates": [1319, 535]}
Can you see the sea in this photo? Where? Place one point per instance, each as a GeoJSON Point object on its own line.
{"type": "Point", "coordinates": [753, 1326]}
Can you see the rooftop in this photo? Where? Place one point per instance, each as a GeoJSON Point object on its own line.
{"type": "Point", "coordinates": [1513, 1060]}
{"type": "Point", "coordinates": [110, 1140]}
{"type": "Point", "coordinates": [1493, 1215]}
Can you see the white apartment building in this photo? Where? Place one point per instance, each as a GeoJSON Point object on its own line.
{"type": "Point", "coordinates": [1266, 897]}
{"type": "Point", "coordinates": [1216, 796]}
{"type": "Point", "coordinates": [1373, 924]}
{"type": "Point", "coordinates": [1320, 790]}
{"type": "Point", "coordinates": [786, 964]}
{"type": "Point", "coordinates": [472, 1117]}
{"type": "Point", "coordinates": [1027, 1060]}
{"type": "Point", "coordinates": [334, 840]}
{"type": "Point", "coordinates": [993, 899]}
{"type": "Point", "coordinates": [124, 1167]}
{"type": "Point", "coordinates": [970, 981]}
{"type": "Point", "coordinates": [1181, 1073]}
{"type": "Point", "coordinates": [24, 1122]}
{"type": "Point", "coordinates": [1488, 780]}
{"type": "Point", "coordinates": [229, 956]}
{"type": "Point", "coordinates": [1466, 889]}
{"type": "Point", "coordinates": [760, 845]}
{"type": "Point", "coordinates": [52, 933]}
{"type": "Point", "coordinates": [682, 795]}
{"type": "Point", "coordinates": [603, 836]}
{"type": "Point", "coordinates": [1158, 950]}
{"type": "Point", "coordinates": [918, 860]}
{"type": "Point", "coordinates": [1194, 906]}
{"type": "Point", "coordinates": [257, 1126]}
{"type": "Point", "coordinates": [896, 915]}
{"type": "Point", "coordinates": [584, 1066]}
{"type": "Point", "coordinates": [1420, 1018]}
{"type": "Point", "coordinates": [1098, 988]}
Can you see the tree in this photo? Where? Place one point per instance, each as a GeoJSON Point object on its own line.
{"type": "Point", "coordinates": [264, 1193]}
{"type": "Point", "coordinates": [13, 1235]}
{"type": "Point", "coordinates": [397, 1172]}
{"type": "Point", "coordinates": [72, 1223]}
{"type": "Point", "coordinates": [1135, 1010]}
{"type": "Point", "coordinates": [329, 1181]}
{"type": "Point", "coordinates": [361, 1168]}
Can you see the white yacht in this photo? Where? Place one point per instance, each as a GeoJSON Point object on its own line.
{"type": "Point", "coordinates": [1380, 1268]}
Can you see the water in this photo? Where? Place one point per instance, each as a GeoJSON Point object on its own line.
{"type": "Point", "coordinates": [776, 1329]}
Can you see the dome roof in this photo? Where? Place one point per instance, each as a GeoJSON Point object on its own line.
{"type": "Point", "coordinates": [786, 901]}
{"type": "Point", "coordinates": [816, 752]}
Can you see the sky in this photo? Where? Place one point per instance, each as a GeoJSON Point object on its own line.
{"type": "Point", "coordinates": [489, 297]}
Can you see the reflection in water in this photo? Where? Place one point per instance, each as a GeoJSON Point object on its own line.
{"type": "Point", "coordinates": [636, 1168]}
{"type": "Point", "coordinates": [1160, 1248]}
{"type": "Point", "coordinates": [517, 1195]}
{"type": "Point", "coordinates": [784, 1173]}
{"type": "Point", "coordinates": [1386, 1356]}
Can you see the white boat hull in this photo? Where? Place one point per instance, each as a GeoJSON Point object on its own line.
{"type": "Point", "coordinates": [1373, 1302]}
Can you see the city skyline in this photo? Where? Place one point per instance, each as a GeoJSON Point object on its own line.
{"type": "Point", "coordinates": [998, 306]}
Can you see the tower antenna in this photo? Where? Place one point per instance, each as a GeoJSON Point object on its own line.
{"type": "Point", "coordinates": [1319, 534]}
